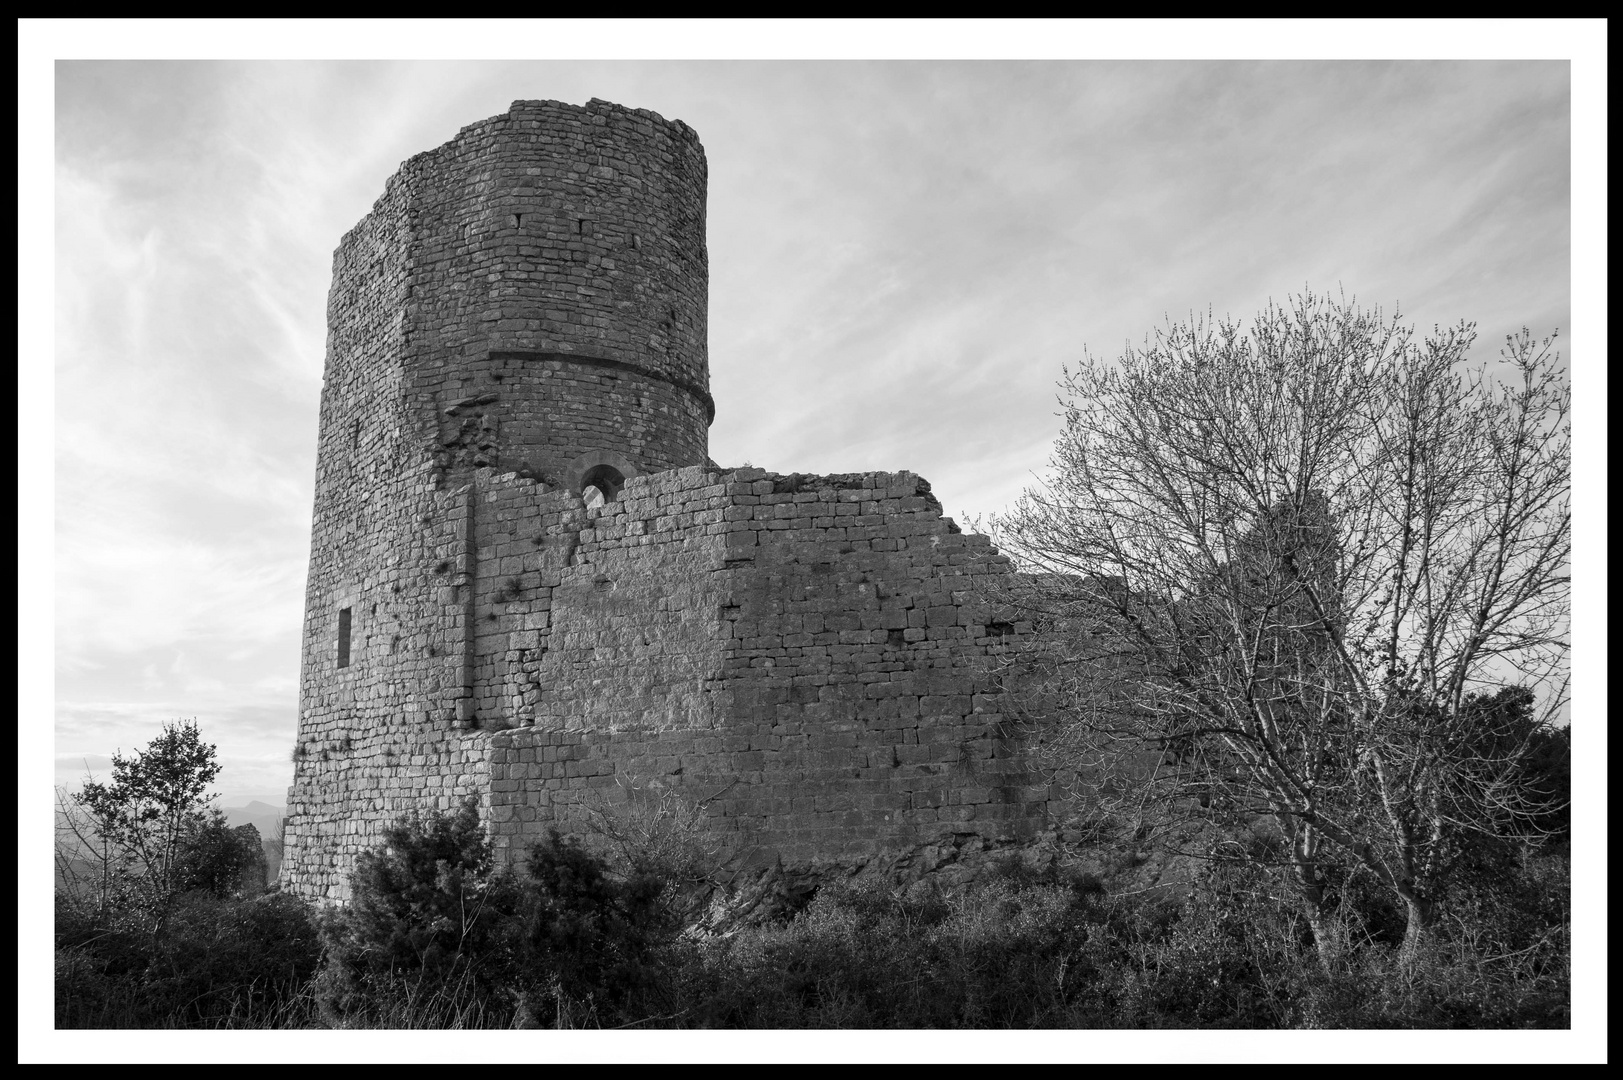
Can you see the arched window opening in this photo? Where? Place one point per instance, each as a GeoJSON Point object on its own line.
{"type": "Point", "coordinates": [601, 484]}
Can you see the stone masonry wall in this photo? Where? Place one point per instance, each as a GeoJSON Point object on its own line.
{"type": "Point", "coordinates": [558, 288]}
{"type": "Point", "coordinates": [528, 293]}
{"type": "Point", "coordinates": [807, 657]}
{"type": "Point", "coordinates": [348, 731]}
{"type": "Point", "coordinates": [381, 737]}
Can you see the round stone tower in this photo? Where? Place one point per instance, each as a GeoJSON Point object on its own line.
{"type": "Point", "coordinates": [528, 298]}
{"type": "Point", "coordinates": [559, 264]}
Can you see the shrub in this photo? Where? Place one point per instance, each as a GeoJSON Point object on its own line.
{"type": "Point", "coordinates": [220, 860]}
{"type": "Point", "coordinates": [434, 933]}
{"type": "Point", "coordinates": [999, 954]}
{"type": "Point", "coordinates": [426, 907]}
{"type": "Point", "coordinates": [596, 935]}
{"type": "Point", "coordinates": [436, 937]}
{"type": "Point", "coordinates": [220, 963]}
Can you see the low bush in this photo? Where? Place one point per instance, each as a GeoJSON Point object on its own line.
{"type": "Point", "coordinates": [436, 937]}
{"type": "Point", "coordinates": [864, 955]}
{"type": "Point", "coordinates": [218, 963]}
{"type": "Point", "coordinates": [598, 937]}
{"type": "Point", "coordinates": [433, 929]}
{"type": "Point", "coordinates": [427, 921]}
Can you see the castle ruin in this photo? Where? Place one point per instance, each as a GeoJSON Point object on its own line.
{"type": "Point", "coordinates": [530, 585]}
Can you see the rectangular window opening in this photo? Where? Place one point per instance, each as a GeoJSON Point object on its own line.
{"type": "Point", "coordinates": [343, 637]}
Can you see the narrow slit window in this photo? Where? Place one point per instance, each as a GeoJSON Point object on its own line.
{"type": "Point", "coordinates": [343, 637]}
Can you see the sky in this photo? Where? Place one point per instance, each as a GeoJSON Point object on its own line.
{"type": "Point", "coordinates": [903, 254]}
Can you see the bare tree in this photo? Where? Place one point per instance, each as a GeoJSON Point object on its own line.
{"type": "Point", "coordinates": [1306, 566]}
{"type": "Point", "coordinates": [89, 868]}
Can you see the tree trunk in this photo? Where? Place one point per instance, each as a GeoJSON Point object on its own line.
{"type": "Point", "coordinates": [1324, 941]}
{"type": "Point", "coordinates": [1311, 891]}
{"type": "Point", "coordinates": [1414, 933]}
{"type": "Point", "coordinates": [1304, 868]}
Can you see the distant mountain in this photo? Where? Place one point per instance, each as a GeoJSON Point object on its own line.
{"type": "Point", "coordinates": [257, 807]}
{"type": "Point", "coordinates": [267, 819]}
{"type": "Point", "coordinates": [262, 816]}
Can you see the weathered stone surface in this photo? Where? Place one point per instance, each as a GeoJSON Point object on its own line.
{"type": "Point", "coordinates": [804, 657]}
